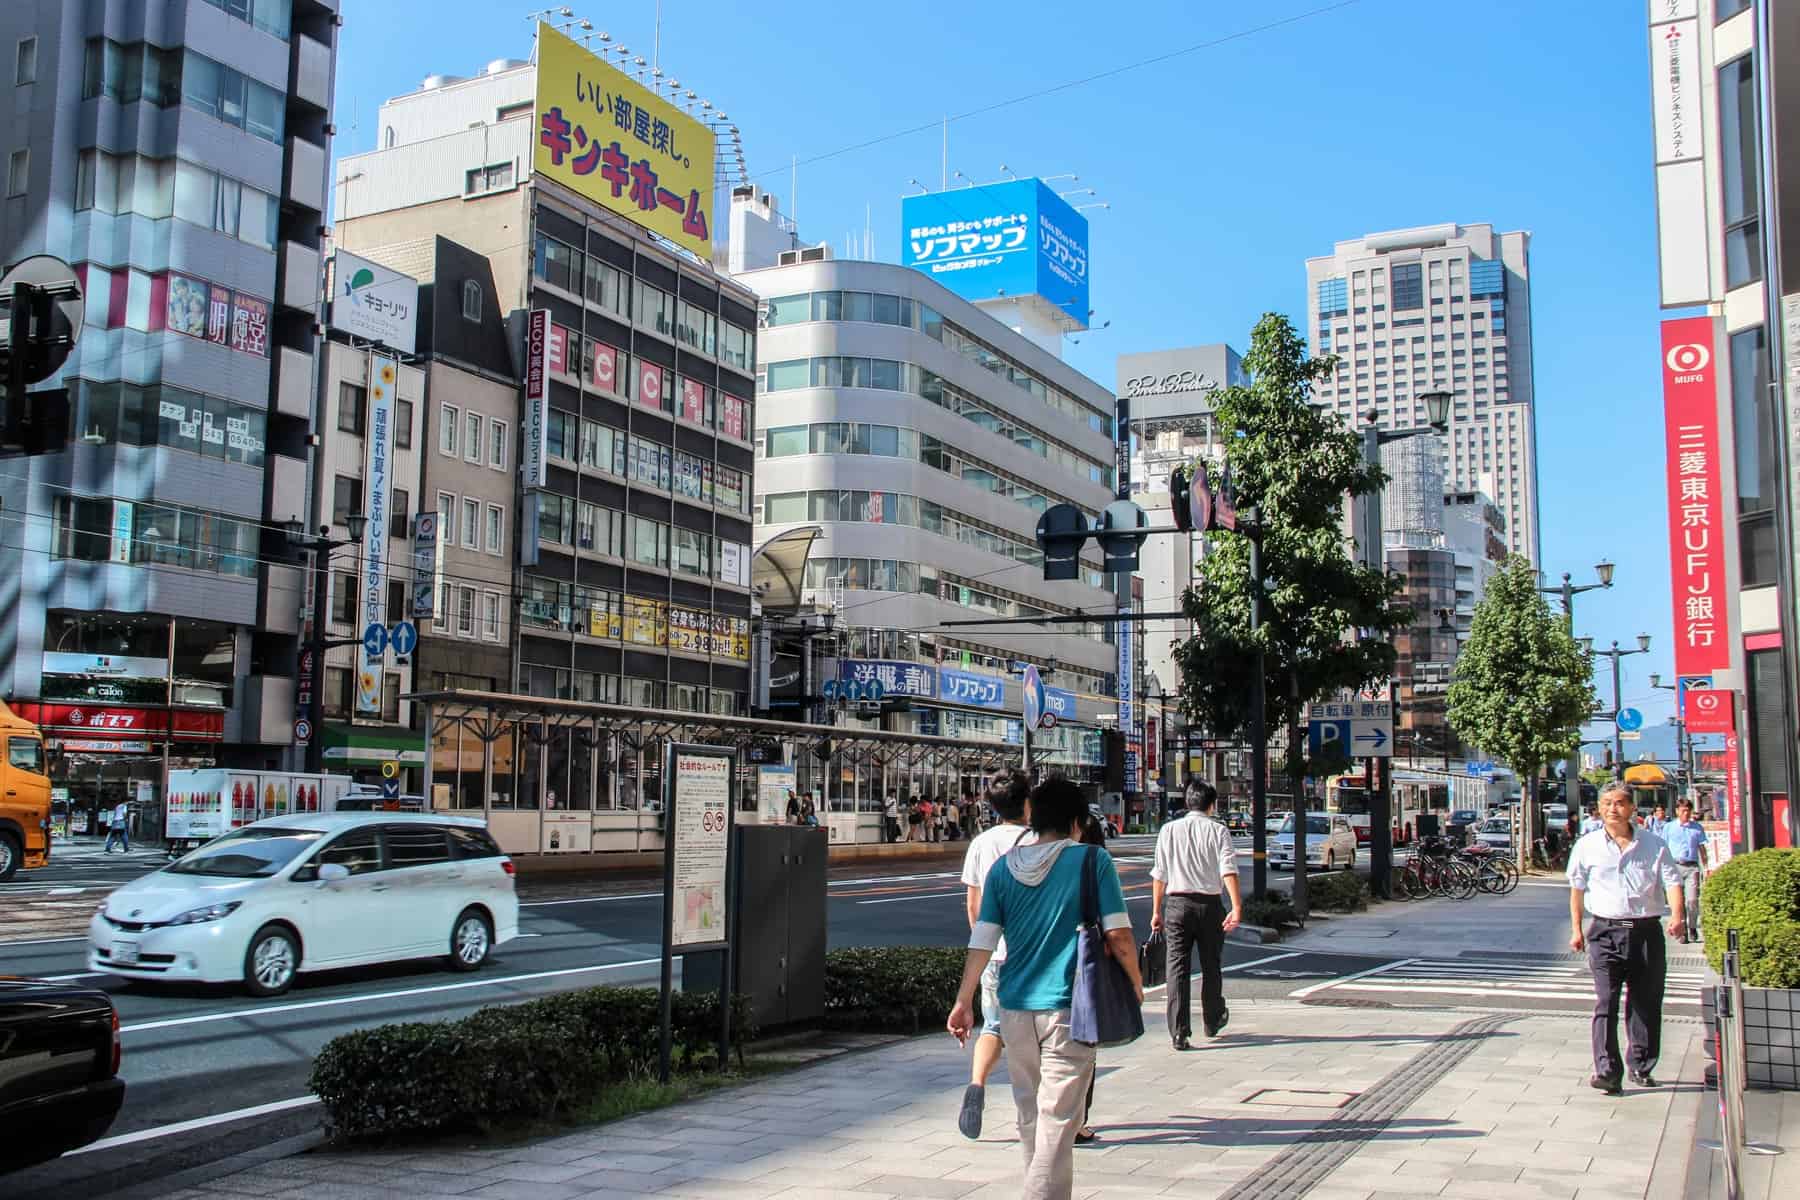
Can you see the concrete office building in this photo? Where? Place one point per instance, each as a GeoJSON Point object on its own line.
{"type": "Point", "coordinates": [633, 553]}
{"type": "Point", "coordinates": [1438, 308]}
{"type": "Point", "coordinates": [924, 437]}
{"type": "Point", "coordinates": [176, 154]}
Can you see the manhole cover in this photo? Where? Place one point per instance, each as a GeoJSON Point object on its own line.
{"type": "Point", "coordinates": [1296, 1098]}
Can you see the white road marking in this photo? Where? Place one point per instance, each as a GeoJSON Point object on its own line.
{"type": "Point", "coordinates": [79, 975]}
{"type": "Point", "coordinates": [270, 1009]}
{"type": "Point", "coordinates": [162, 1131]}
{"type": "Point", "coordinates": [916, 896]}
{"type": "Point", "coordinates": [1343, 979]}
{"type": "Point", "coordinates": [1257, 962]}
{"type": "Point", "coordinates": [45, 941]}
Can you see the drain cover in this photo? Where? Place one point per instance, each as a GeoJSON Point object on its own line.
{"type": "Point", "coordinates": [1296, 1098]}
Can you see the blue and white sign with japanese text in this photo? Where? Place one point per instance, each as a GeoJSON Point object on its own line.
{"type": "Point", "coordinates": [1015, 238]}
{"type": "Point", "coordinates": [966, 687]}
{"type": "Point", "coordinates": [384, 375]}
{"type": "Point", "coordinates": [1060, 702]}
{"type": "Point", "coordinates": [896, 678]}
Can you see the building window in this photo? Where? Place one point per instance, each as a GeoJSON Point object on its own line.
{"type": "Point", "coordinates": [447, 517]}
{"type": "Point", "coordinates": [84, 528]}
{"type": "Point", "coordinates": [390, 699]}
{"type": "Point", "coordinates": [396, 601]}
{"type": "Point", "coordinates": [450, 425]}
{"type": "Point", "coordinates": [25, 67]}
{"type": "Point", "coordinates": [129, 73]}
{"type": "Point", "coordinates": [336, 697]}
{"type": "Point", "coordinates": [270, 16]}
{"type": "Point", "coordinates": [465, 611]}
{"type": "Point", "coordinates": [472, 442]}
{"type": "Point", "coordinates": [479, 180]}
{"type": "Point", "coordinates": [400, 518]}
{"type": "Point", "coordinates": [471, 300]}
{"type": "Point", "coordinates": [1408, 286]}
{"type": "Point", "coordinates": [471, 523]}
{"type": "Point", "coordinates": [1757, 474]}
{"type": "Point", "coordinates": [497, 431]}
{"type": "Point", "coordinates": [18, 172]}
{"type": "Point", "coordinates": [353, 402]}
{"type": "Point", "coordinates": [1741, 171]}
{"type": "Point", "coordinates": [496, 525]}
{"type": "Point", "coordinates": [490, 616]}
{"type": "Point", "coordinates": [346, 498]}
{"type": "Point", "coordinates": [403, 422]}
{"type": "Point", "coordinates": [343, 598]}
{"type": "Point", "coordinates": [227, 95]}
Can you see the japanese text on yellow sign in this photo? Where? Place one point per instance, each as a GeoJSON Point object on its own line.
{"type": "Point", "coordinates": [609, 138]}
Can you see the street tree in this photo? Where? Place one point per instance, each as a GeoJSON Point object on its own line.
{"type": "Point", "coordinates": [1521, 687]}
{"type": "Point", "coordinates": [1326, 620]}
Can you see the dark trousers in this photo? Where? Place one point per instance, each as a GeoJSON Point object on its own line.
{"type": "Point", "coordinates": [1194, 922]}
{"type": "Point", "coordinates": [1631, 955]}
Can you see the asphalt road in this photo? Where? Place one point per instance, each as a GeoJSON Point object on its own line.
{"type": "Point", "coordinates": [211, 1072]}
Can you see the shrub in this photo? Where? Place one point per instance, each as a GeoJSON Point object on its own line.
{"type": "Point", "coordinates": [1759, 896]}
{"type": "Point", "coordinates": [1337, 891]}
{"type": "Point", "coordinates": [891, 989]}
{"type": "Point", "coordinates": [1271, 913]}
{"type": "Point", "coordinates": [538, 1059]}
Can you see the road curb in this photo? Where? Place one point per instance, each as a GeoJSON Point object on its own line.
{"type": "Point", "coordinates": [192, 1177]}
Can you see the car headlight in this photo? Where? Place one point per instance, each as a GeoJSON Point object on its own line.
{"type": "Point", "coordinates": [211, 912]}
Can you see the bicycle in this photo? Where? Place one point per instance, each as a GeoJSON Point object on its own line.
{"type": "Point", "coordinates": [1495, 873]}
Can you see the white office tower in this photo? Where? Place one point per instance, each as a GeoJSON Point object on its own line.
{"type": "Point", "coordinates": [1438, 308]}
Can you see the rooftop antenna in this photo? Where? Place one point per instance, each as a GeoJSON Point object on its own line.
{"type": "Point", "coordinates": [1077, 192]}
{"type": "Point", "coordinates": [1054, 178]}
{"type": "Point", "coordinates": [656, 50]}
{"type": "Point", "coordinates": [1008, 172]}
{"type": "Point", "coordinates": [1085, 207]}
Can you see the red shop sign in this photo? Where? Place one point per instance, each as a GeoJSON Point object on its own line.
{"type": "Point", "coordinates": [111, 721]}
{"type": "Point", "coordinates": [1710, 710]}
{"type": "Point", "coordinates": [1696, 529]}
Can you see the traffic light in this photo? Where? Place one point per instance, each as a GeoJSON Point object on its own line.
{"type": "Point", "coordinates": [1114, 760]}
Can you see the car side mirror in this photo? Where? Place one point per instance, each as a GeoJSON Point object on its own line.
{"type": "Point", "coordinates": [332, 873]}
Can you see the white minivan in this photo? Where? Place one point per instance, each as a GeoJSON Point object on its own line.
{"type": "Point", "coordinates": [1329, 842]}
{"type": "Point", "coordinates": [312, 892]}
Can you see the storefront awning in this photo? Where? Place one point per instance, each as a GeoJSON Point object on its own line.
{"type": "Point", "coordinates": [778, 569]}
{"type": "Point", "coordinates": [1646, 774]}
{"type": "Point", "coordinates": [360, 744]}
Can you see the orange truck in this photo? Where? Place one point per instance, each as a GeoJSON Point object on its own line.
{"type": "Point", "coordinates": [24, 796]}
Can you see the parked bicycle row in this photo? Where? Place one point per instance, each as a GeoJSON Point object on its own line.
{"type": "Point", "coordinates": [1440, 869]}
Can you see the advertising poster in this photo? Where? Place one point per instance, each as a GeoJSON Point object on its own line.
{"type": "Point", "coordinates": [249, 325]}
{"type": "Point", "coordinates": [650, 389]}
{"type": "Point", "coordinates": [606, 367]}
{"type": "Point", "coordinates": [186, 306]}
{"type": "Point", "coordinates": [567, 832]}
{"type": "Point", "coordinates": [218, 314]}
{"type": "Point", "coordinates": [731, 417]}
{"type": "Point", "coordinates": [1013, 238]}
{"type": "Point", "coordinates": [772, 787]}
{"type": "Point", "coordinates": [700, 830]}
{"type": "Point", "coordinates": [646, 622]}
{"type": "Point", "coordinates": [384, 373]}
{"type": "Point", "coordinates": [617, 143]}
{"type": "Point", "coordinates": [693, 401]}
{"type": "Point", "coordinates": [370, 301]}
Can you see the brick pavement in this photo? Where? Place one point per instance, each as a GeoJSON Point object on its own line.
{"type": "Point", "coordinates": [1428, 1111]}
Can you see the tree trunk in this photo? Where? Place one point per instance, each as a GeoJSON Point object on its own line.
{"type": "Point", "coordinates": [1528, 815]}
{"type": "Point", "coordinates": [1296, 772]}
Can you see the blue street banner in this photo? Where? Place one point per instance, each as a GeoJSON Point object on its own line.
{"type": "Point", "coordinates": [378, 490]}
{"type": "Point", "coordinates": [913, 680]}
{"type": "Point", "coordinates": [966, 687]}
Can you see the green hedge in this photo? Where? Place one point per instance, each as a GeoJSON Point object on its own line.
{"type": "Point", "coordinates": [892, 989]}
{"type": "Point", "coordinates": [1759, 896]}
{"type": "Point", "coordinates": [1337, 891]}
{"type": "Point", "coordinates": [537, 1059]}
{"type": "Point", "coordinates": [1270, 913]}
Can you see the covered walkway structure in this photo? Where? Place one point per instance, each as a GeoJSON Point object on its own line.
{"type": "Point", "coordinates": [567, 776]}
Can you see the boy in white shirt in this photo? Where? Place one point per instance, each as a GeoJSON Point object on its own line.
{"type": "Point", "coordinates": [1010, 798]}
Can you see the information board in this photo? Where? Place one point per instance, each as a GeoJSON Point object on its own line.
{"type": "Point", "coordinates": [698, 809]}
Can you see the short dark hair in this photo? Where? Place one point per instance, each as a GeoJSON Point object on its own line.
{"type": "Point", "coordinates": [1201, 795]}
{"type": "Point", "coordinates": [1056, 805]}
{"type": "Point", "coordinates": [1008, 793]}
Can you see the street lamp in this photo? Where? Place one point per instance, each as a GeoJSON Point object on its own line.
{"type": "Point", "coordinates": [1682, 745]}
{"type": "Point", "coordinates": [1643, 647]}
{"type": "Point", "coordinates": [317, 644]}
{"type": "Point", "coordinates": [1568, 591]}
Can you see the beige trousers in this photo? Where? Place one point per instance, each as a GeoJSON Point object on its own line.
{"type": "Point", "coordinates": [1050, 1074]}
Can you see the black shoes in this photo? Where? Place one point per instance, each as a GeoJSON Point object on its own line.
{"type": "Point", "coordinates": [969, 1119]}
{"type": "Point", "coordinates": [1212, 1029]}
{"type": "Point", "coordinates": [1605, 1084]}
{"type": "Point", "coordinates": [1642, 1079]}
{"type": "Point", "coordinates": [1182, 1042]}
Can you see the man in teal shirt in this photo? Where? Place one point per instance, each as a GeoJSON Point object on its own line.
{"type": "Point", "coordinates": [1033, 897]}
{"type": "Point", "coordinates": [1686, 839]}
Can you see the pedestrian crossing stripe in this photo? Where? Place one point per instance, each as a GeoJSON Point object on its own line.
{"type": "Point", "coordinates": [1502, 980]}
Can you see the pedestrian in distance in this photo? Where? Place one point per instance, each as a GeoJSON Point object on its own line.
{"type": "Point", "coordinates": [1011, 798]}
{"type": "Point", "coordinates": [1623, 882]}
{"type": "Point", "coordinates": [1194, 866]}
{"type": "Point", "coordinates": [1659, 817]}
{"type": "Point", "coordinates": [809, 812]}
{"type": "Point", "coordinates": [915, 822]}
{"type": "Point", "coordinates": [117, 829]}
{"type": "Point", "coordinates": [1033, 896]}
{"type": "Point", "coordinates": [890, 812]}
{"type": "Point", "coordinates": [793, 808]}
{"type": "Point", "coordinates": [1591, 822]}
{"type": "Point", "coordinates": [1686, 839]}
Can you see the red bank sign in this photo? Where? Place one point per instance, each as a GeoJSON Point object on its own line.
{"type": "Point", "coordinates": [1710, 711]}
{"type": "Point", "coordinates": [1696, 529]}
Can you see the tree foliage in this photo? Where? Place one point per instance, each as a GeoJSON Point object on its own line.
{"type": "Point", "coordinates": [1521, 688]}
{"type": "Point", "coordinates": [1326, 620]}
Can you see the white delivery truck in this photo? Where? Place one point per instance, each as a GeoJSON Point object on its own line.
{"type": "Point", "coordinates": [205, 804]}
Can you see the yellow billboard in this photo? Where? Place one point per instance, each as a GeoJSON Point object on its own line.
{"type": "Point", "coordinates": [609, 138]}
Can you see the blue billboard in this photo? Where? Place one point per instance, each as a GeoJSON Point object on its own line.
{"type": "Point", "coordinates": [1013, 239]}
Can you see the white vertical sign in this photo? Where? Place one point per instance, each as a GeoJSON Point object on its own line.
{"type": "Point", "coordinates": [384, 374]}
{"type": "Point", "coordinates": [425, 565]}
{"type": "Point", "coordinates": [123, 511]}
{"type": "Point", "coordinates": [537, 398]}
{"type": "Point", "coordinates": [1677, 73]}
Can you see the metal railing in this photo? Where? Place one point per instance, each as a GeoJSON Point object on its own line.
{"type": "Point", "coordinates": [1731, 1071]}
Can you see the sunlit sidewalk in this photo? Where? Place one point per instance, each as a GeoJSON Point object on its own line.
{"type": "Point", "coordinates": [1336, 1102]}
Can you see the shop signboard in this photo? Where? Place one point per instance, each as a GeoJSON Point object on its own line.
{"type": "Point", "coordinates": [566, 832]}
{"type": "Point", "coordinates": [1060, 703]}
{"type": "Point", "coordinates": [773, 784]}
{"type": "Point", "coordinates": [1014, 238]}
{"type": "Point", "coordinates": [537, 399]}
{"type": "Point", "coordinates": [384, 374]}
{"type": "Point", "coordinates": [115, 721]}
{"type": "Point", "coordinates": [966, 687]}
{"type": "Point", "coordinates": [370, 301]}
{"type": "Point", "coordinates": [112, 666]}
{"type": "Point", "coordinates": [697, 783]}
{"type": "Point", "coordinates": [1695, 483]}
{"type": "Point", "coordinates": [424, 565]}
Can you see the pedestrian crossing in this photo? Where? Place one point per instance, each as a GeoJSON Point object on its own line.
{"type": "Point", "coordinates": [1561, 983]}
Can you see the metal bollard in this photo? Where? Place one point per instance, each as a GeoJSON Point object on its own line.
{"type": "Point", "coordinates": [1726, 1144]}
{"type": "Point", "coordinates": [1740, 1067]}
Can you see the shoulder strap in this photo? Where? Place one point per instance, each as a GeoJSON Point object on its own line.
{"type": "Point", "coordinates": [1090, 886]}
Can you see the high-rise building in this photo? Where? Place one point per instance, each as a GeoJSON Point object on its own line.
{"type": "Point", "coordinates": [1437, 308]}
{"type": "Point", "coordinates": [176, 155]}
{"type": "Point", "coordinates": [924, 437]}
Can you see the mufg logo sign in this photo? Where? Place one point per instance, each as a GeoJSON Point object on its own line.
{"type": "Point", "coordinates": [1011, 239]}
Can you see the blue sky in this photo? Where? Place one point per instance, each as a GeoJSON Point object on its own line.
{"type": "Point", "coordinates": [1224, 168]}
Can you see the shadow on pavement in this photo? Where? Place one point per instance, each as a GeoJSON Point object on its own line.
{"type": "Point", "coordinates": [1179, 1130]}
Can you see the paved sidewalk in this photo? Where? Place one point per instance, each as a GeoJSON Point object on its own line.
{"type": "Point", "coordinates": [1333, 1103]}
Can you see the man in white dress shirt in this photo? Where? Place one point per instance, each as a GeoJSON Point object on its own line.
{"type": "Point", "coordinates": [1011, 800]}
{"type": "Point", "coordinates": [1195, 861]}
{"type": "Point", "coordinates": [1623, 880]}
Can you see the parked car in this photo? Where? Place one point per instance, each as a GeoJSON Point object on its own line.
{"type": "Point", "coordinates": [1329, 842]}
{"type": "Point", "coordinates": [1273, 823]}
{"type": "Point", "coordinates": [310, 892]}
{"type": "Point", "coordinates": [1495, 832]}
{"type": "Point", "coordinates": [59, 1069]}
{"type": "Point", "coordinates": [1359, 825]}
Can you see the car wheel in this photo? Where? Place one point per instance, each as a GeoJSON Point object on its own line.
{"type": "Point", "coordinates": [271, 961]}
{"type": "Point", "coordinates": [9, 857]}
{"type": "Point", "coordinates": [471, 941]}
{"type": "Point", "coordinates": [1331, 860]}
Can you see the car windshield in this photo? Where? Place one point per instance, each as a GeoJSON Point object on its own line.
{"type": "Point", "coordinates": [1497, 825]}
{"type": "Point", "coordinates": [248, 853]}
{"type": "Point", "coordinates": [1314, 825]}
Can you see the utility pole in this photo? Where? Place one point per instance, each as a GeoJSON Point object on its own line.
{"type": "Point", "coordinates": [1251, 520]}
{"type": "Point", "coordinates": [316, 645]}
{"type": "Point", "coordinates": [1567, 591]}
{"type": "Point", "coordinates": [1616, 654]}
